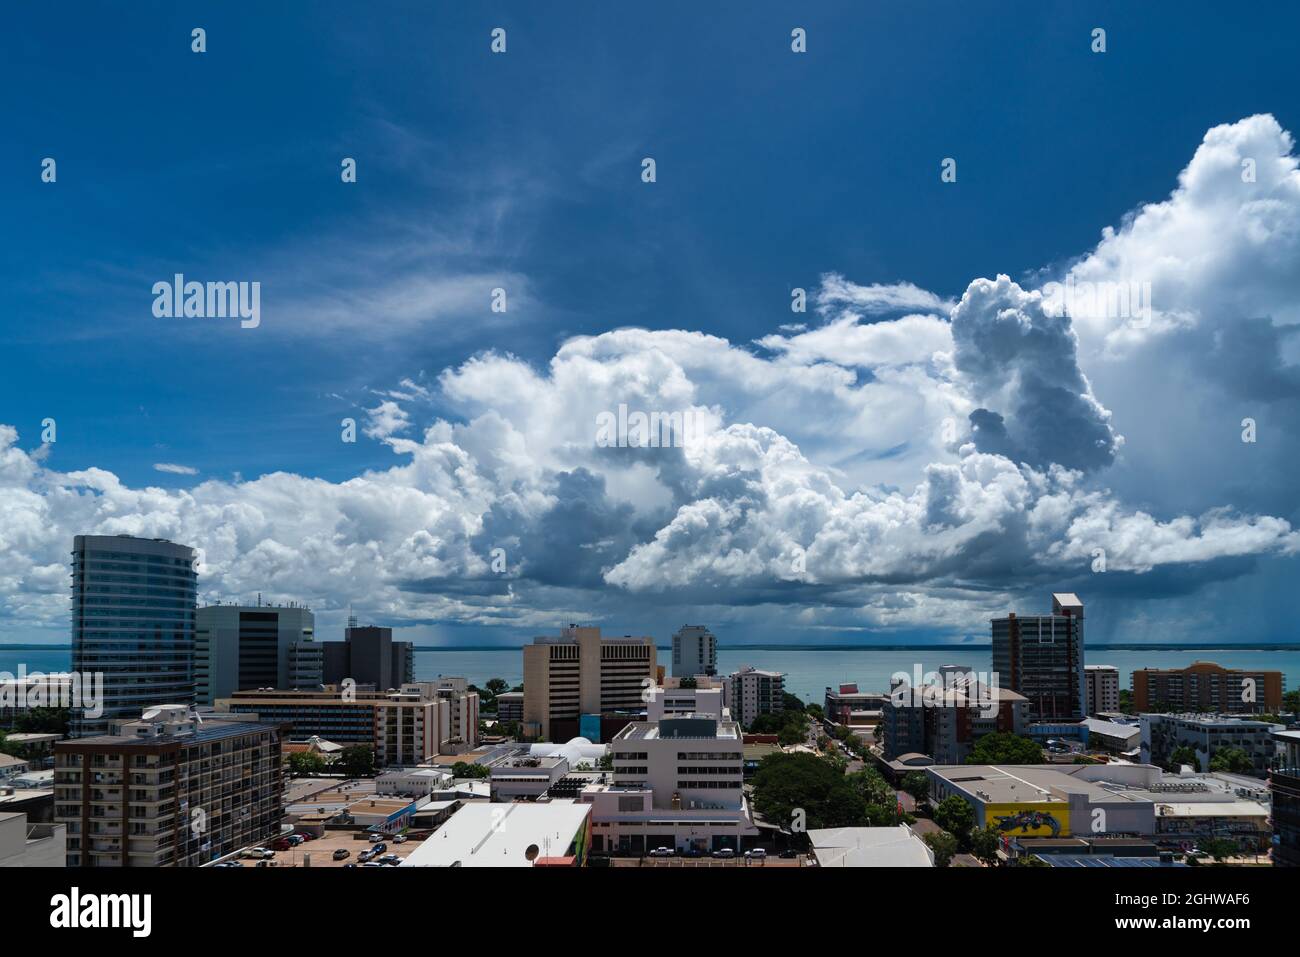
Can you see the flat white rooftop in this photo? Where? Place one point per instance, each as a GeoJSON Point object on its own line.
{"type": "Point", "coordinates": [502, 835]}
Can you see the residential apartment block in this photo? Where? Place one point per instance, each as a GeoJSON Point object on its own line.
{"type": "Point", "coordinates": [695, 652]}
{"type": "Point", "coordinates": [168, 791]}
{"type": "Point", "coordinates": [945, 722]}
{"type": "Point", "coordinates": [1205, 687]}
{"type": "Point", "coordinates": [1102, 683]}
{"type": "Point", "coordinates": [582, 673]}
{"type": "Point", "coordinates": [750, 692]}
{"type": "Point", "coordinates": [1041, 657]}
{"type": "Point", "coordinates": [1284, 783]}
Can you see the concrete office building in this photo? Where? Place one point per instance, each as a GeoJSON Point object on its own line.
{"type": "Point", "coordinates": [582, 673]}
{"type": "Point", "coordinates": [369, 656]}
{"type": "Point", "coordinates": [1163, 734]}
{"type": "Point", "coordinates": [168, 791]}
{"type": "Point", "coordinates": [1041, 657]}
{"type": "Point", "coordinates": [405, 726]}
{"type": "Point", "coordinates": [1204, 687]}
{"type": "Point", "coordinates": [677, 783]}
{"type": "Point", "coordinates": [510, 706]}
{"type": "Point", "coordinates": [672, 699]}
{"type": "Point", "coordinates": [1284, 783]}
{"type": "Point", "coordinates": [526, 777]}
{"type": "Point", "coordinates": [237, 647]}
{"type": "Point", "coordinates": [695, 652]}
{"type": "Point", "coordinates": [133, 608]}
{"type": "Point", "coordinates": [751, 692]}
{"type": "Point", "coordinates": [1102, 683]}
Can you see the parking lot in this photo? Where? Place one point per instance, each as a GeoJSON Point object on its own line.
{"type": "Point", "coordinates": [321, 851]}
{"type": "Point", "coordinates": [771, 861]}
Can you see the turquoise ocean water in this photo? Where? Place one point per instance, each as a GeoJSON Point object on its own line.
{"type": "Point", "coordinates": [808, 672]}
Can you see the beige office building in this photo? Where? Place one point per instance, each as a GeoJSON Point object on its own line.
{"type": "Point", "coordinates": [582, 673]}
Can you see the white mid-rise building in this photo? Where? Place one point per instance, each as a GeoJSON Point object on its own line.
{"type": "Point", "coordinates": [677, 783]}
{"type": "Point", "coordinates": [704, 697]}
{"type": "Point", "coordinates": [750, 692]}
{"type": "Point", "coordinates": [695, 652]}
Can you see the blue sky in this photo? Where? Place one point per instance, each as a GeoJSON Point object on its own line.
{"type": "Point", "coordinates": [522, 171]}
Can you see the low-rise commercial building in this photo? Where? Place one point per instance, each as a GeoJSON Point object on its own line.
{"type": "Point", "coordinates": [850, 707]}
{"type": "Point", "coordinates": [870, 847]}
{"type": "Point", "coordinates": [545, 834]}
{"type": "Point", "coordinates": [1110, 800]}
{"type": "Point", "coordinates": [526, 778]}
{"type": "Point", "coordinates": [704, 697]}
{"type": "Point", "coordinates": [1206, 734]}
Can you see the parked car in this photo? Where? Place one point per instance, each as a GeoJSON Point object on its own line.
{"type": "Point", "coordinates": [376, 838]}
{"type": "Point", "coordinates": [379, 848]}
{"type": "Point", "coordinates": [789, 854]}
{"type": "Point", "coordinates": [294, 840]}
{"type": "Point", "coordinates": [281, 844]}
{"type": "Point", "coordinates": [725, 853]}
{"type": "Point", "coordinates": [372, 864]}
{"type": "Point", "coordinates": [756, 854]}
{"type": "Point", "coordinates": [341, 853]}
{"type": "Point", "coordinates": [400, 839]}
{"type": "Point", "coordinates": [390, 859]}
{"type": "Point", "coordinates": [350, 864]}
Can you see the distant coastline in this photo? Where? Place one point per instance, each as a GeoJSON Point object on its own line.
{"type": "Point", "coordinates": [971, 646]}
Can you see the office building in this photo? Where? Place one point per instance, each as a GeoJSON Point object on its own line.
{"type": "Point", "coordinates": [403, 727]}
{"type": "Point", "coordinates": [526, 777]}
{"type": "Point", "coordinates": [580, 673]}
{"type": "Point", "coordinates": [510, 706]}
{"type": "Point", "coordinates": [1041, 657]}
{"type": "Point", "coordinates": [751, 692]}
{"type": "Point", "coordinates": [1284, 784]}
{"type": "Point", "coordinates": [1205, 734]}
{"type": "Point", "coordinates": [704, 697]}
{"type": "Point", "coordinates": [133, 608]}
{"type": "Point", "coordinates": [695, 652]}
{"type": "Point", "coordinates": [677, 783]}
{"type": "Point", "coordinates": [1204, 687]}
{"type": "Point", "coordinates": [1102, 683]}
{"type": "Point", "coordinates": [252, 646]}
{"type": "Point", "coordinates": [369, 656]}
{"type": "Point", "coordinates": [168, 791]}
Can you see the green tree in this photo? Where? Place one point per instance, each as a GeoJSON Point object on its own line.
{"type": "Point", "coordinates": [917, 784]}
{"type": "Point", "coordinates": [1183, 754]}
{"type": "Point", "coordinates": [1219, 848]}
{"type": "Point", "coordinates": [944, 846]}
{"type": "Point", "coordinates": [815, 712]}
{"type": "Point", "coordinates": [1003, 747]}
{"type": "Point", "coordinates": [1232, 760]}
{"type": "Point", "coordinates": [306, 764]}
{"type": "Point", "coordinates": [984, 844]}
{"type": "Point", "coordinates": [955, 816]}
{"type": "Point", "coordinates": [467, 769]}
{"type": "Point", "coordinates": [357, 761]}
{"type": "Point", "coordinates": [787, 783]}
{"type": "Point", "coordinates": [1291, 701]}
{"type": "Point", "coordinates": [496, 686]}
